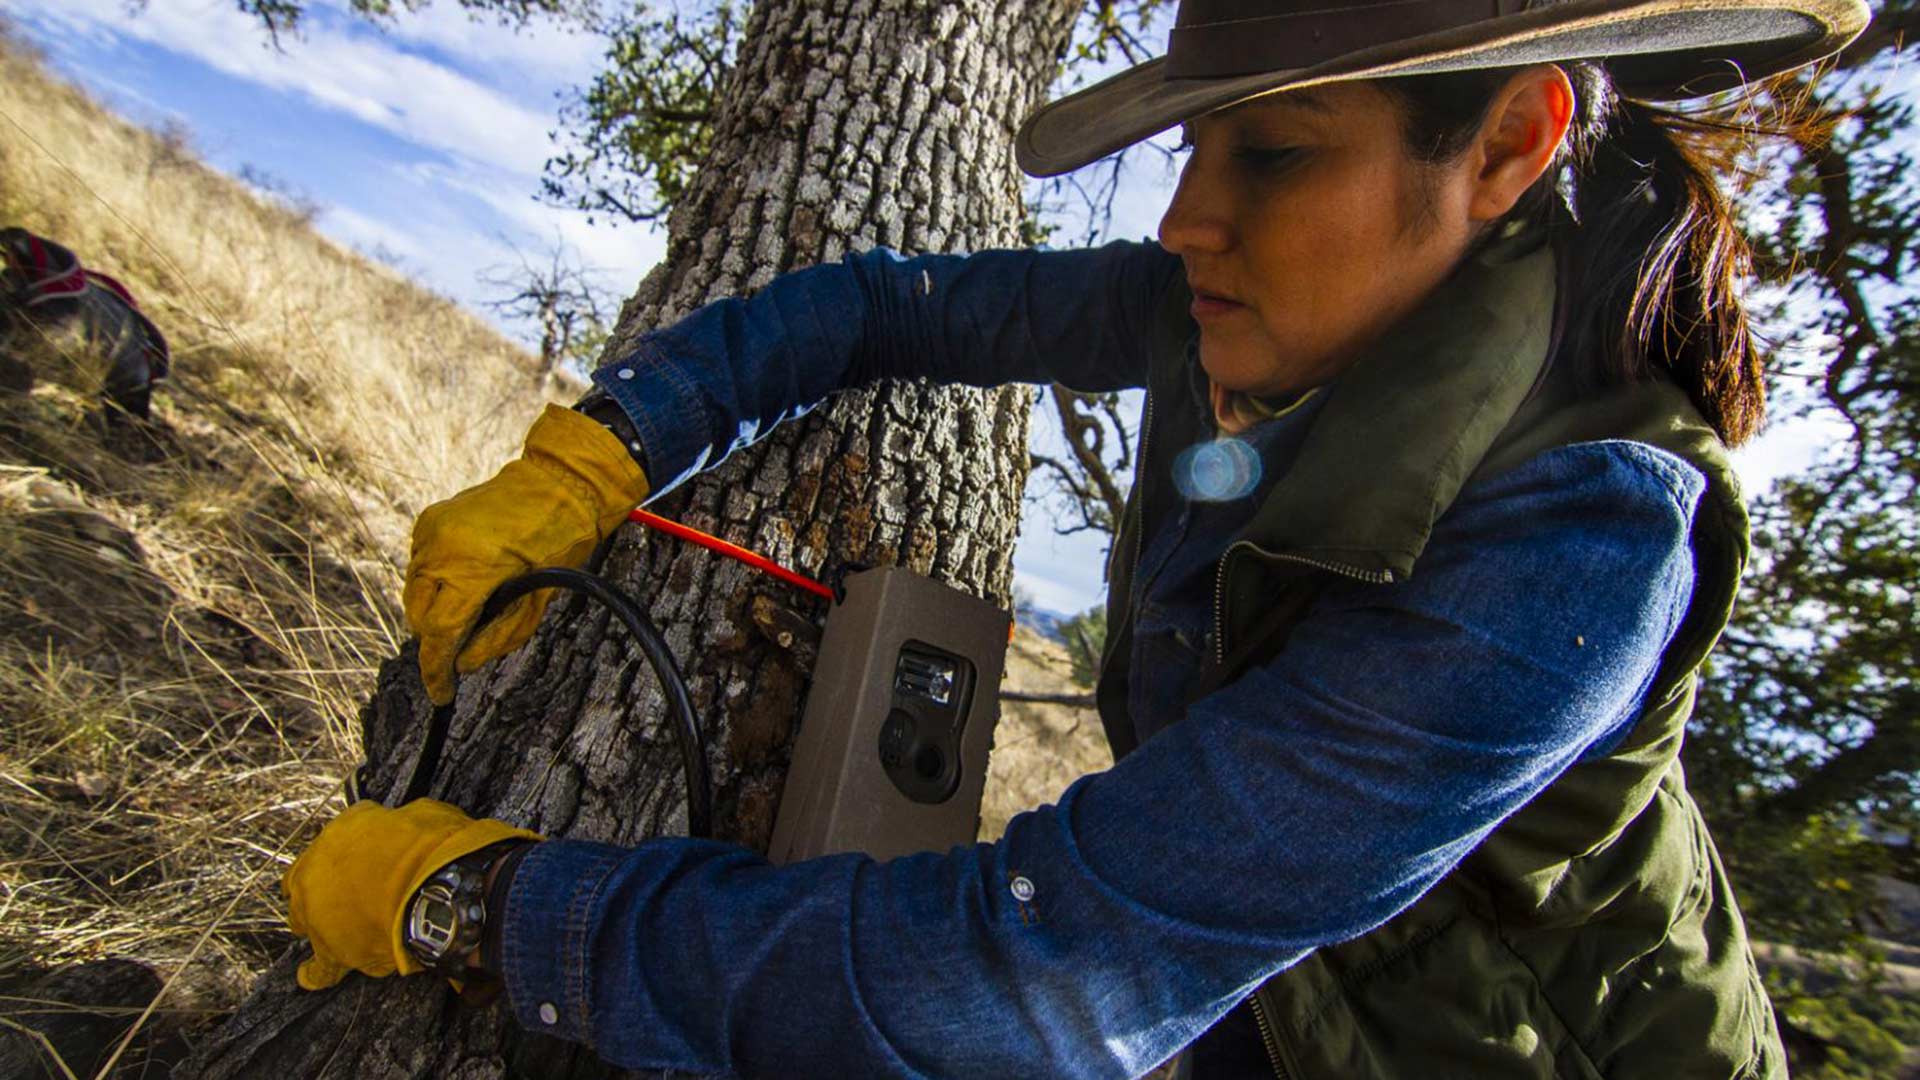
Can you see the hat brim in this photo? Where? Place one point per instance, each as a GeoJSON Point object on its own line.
{"type": "Point", "coordinates": [1655, 49]}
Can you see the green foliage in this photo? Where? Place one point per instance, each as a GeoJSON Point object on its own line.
{"type": "Point", "coordinates": [641, 128]}
{"type": "Point", "coordinates": [282, 16]}
{"type": "Point", "coordinates": [1808, 723]}
{"type": "Point", "coordinates": [1854, 1033]}
{"type": "Point", "coordinates": [1104, 29]}
{"type": "Point", "coordinates": [1086, 636]}
{"type": "Point", "coordinates": [1811, 713]}
{"type": "Point", "coordinates": [1805, 882]}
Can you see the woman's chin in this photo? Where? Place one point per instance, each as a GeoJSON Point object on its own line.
{"type": "Point", "coordinates": [1256, 372]}
{"type": "Point", "coordinates": [1223, 367]}
{"type": "Point", "coordinates": [1240, 373]}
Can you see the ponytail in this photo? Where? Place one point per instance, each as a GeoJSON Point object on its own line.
{"type": "Point", "coordinates": [1653, 246]}
{"type": "Point", "coordinates": [1660, 258]}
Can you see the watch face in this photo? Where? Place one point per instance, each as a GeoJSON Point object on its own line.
{"type": "Point", "coordinates": [434, 921]}
{"type": "Point", "coordinates": [447, 916]}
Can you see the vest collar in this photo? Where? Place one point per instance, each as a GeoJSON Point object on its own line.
{"type": "Point", "coordinates": [1403, 428]}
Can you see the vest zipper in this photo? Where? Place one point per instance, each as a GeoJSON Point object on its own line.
{"type": "Point", "coordinates": [1375, 577]}
{"type": "Point", "coordinates": [1371, 577]}
{"type": "Point", "coordinates": [1267, 1037]}
{"type": "Point", "coordinates": [1140, 530]}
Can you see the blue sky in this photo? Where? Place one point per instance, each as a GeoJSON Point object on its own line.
{"type": "Point", "coordinates": [423, 141]}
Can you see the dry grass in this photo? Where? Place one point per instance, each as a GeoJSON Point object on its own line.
{"type": "Point", "coordinates": [192, 611]}
{"type": "Point", "coordinates": [1038, 749]}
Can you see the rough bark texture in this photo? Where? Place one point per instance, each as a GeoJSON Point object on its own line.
{"type": "Point", "coordinates": [847, 124]}
{"type": "Point", "coordinates": [71, 1022]}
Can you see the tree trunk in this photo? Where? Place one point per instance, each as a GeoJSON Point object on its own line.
{"type": "Point", "coordinates": [845, 125]}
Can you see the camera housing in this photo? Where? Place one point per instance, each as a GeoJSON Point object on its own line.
{"type": "Point", "coordinates": [891, 757]}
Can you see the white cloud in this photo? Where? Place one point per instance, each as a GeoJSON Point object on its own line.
{"type": "Point", "coordinates": [541, 53]}
{"type": "Point", "coordinates": [367, 235]}
{"type": "Point", "coordinates": [621, 253]}
{"type": "Point", "coordinates": [340, 65]}
{"type": "Point", "coordinates": [1055, 584]}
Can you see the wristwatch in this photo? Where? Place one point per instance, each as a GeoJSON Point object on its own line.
{"type": "Point", "coordinates": [447, 916]}
{"type": "Point", "coordinates": [598, 405]}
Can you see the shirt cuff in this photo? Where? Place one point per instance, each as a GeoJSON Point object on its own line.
{"type": "Point", "coordinates": [665, 406]}
{"type": "Point", "coordinates": [545, 947]}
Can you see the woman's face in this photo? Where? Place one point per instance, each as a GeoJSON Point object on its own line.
{"type": "Point", "coordinates": [1307, 230]}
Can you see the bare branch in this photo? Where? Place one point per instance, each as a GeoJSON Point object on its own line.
{"type": "Point", "coordinates": [1076, 426]}
{"type": "Point", "coordinates": [1077, 701]}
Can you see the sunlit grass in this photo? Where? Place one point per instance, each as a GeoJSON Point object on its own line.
{"type": "Point", "coordinates": [192, 613]}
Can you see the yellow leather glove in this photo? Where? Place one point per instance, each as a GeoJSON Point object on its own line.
{"type": "Point", "coordinates": [572, 484]}
{"type": "Point", "coordinates": [347, 893]}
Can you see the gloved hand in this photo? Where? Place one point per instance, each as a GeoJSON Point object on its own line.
{"type": "Point", "coordinates": [572, 485]}
{"type": "Point", "coordinates": [347, 893]}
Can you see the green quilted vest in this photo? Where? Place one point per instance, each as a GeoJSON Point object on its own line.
{"type": "Point", "coordinates": [1594, 932]}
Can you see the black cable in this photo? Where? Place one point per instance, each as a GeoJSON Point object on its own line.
{"type": "Point", "coordinates": [693, 751]}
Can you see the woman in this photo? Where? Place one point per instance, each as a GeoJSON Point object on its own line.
{"type": "Point", "coordinates": [1397, 669]}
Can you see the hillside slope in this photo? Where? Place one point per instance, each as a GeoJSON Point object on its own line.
{"type": "Point", "coordinates": [1038, 749]}
{"type": "Point", "coordinates": [191, 610]}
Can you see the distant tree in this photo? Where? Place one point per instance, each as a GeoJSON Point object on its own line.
{"type": "Point", "coordinates": [1086, 635]}
{"type": "Point", "coordinates": [288, 196]}
{"type": "Point", "coordinates": [563, 299]}
{"type": "Point", "coordinates": [1090, 481]}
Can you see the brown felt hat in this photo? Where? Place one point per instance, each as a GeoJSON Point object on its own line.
{"type": "Point", "coordinates": [1223, 52]}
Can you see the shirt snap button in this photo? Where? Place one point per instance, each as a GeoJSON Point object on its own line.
{"type": "Point", "coordinates": [1022, 889]}
{"type": "Point", "coordinates": [548, 1014]}
{"type": "Point", "coordinates": [625, 373]}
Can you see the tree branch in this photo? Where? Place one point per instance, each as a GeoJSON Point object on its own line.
{"type": "Point", "coordinates": [1075, 426]}
{"type": "Point", "coordinates": [1077, 701]}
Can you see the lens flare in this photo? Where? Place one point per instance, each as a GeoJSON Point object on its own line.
{"type": "Point", "coordinates": [1217, 471]}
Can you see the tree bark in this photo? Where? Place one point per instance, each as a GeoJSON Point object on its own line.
{"type": "Point", "coordinates": [845, 125]}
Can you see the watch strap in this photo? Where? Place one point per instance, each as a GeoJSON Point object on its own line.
{"type": "Point", "coordinates": [597, 405]}
{"type": "Point", "coordinates": [500, 883]}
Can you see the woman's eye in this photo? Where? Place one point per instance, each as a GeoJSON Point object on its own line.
{"type": "Point", "coordinates": [1261, 158]}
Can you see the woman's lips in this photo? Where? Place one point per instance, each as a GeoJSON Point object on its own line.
{"type": "Point", "coordinates": [1204, 307]}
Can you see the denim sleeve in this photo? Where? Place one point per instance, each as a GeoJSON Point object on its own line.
{"type": "Point", "coordinates": [725, 375]}
{"type": "Point", "coordinates": [1303, 804]}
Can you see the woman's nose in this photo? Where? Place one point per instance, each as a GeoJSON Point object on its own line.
{"type": "Point", "coordinates": [1195, 221]}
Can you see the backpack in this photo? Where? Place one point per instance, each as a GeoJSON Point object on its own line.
{"type": "Point", "coordinates": [48, 299]}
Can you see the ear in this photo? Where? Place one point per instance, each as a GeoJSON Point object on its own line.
{"type": "Point", "coordinates": [1525, 126]}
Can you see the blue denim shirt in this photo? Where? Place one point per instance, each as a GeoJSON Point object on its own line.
{"type": "Point", "coordinates": [1303, 804]}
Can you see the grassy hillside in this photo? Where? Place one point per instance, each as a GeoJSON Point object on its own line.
{"type": "Point", "coordinates": [191, 611]}
{"type": "Point", "coordinates": [1038, 749]}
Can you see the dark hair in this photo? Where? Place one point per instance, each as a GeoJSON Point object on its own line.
{"type": "Point", "coordinates": [1648, 241]}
